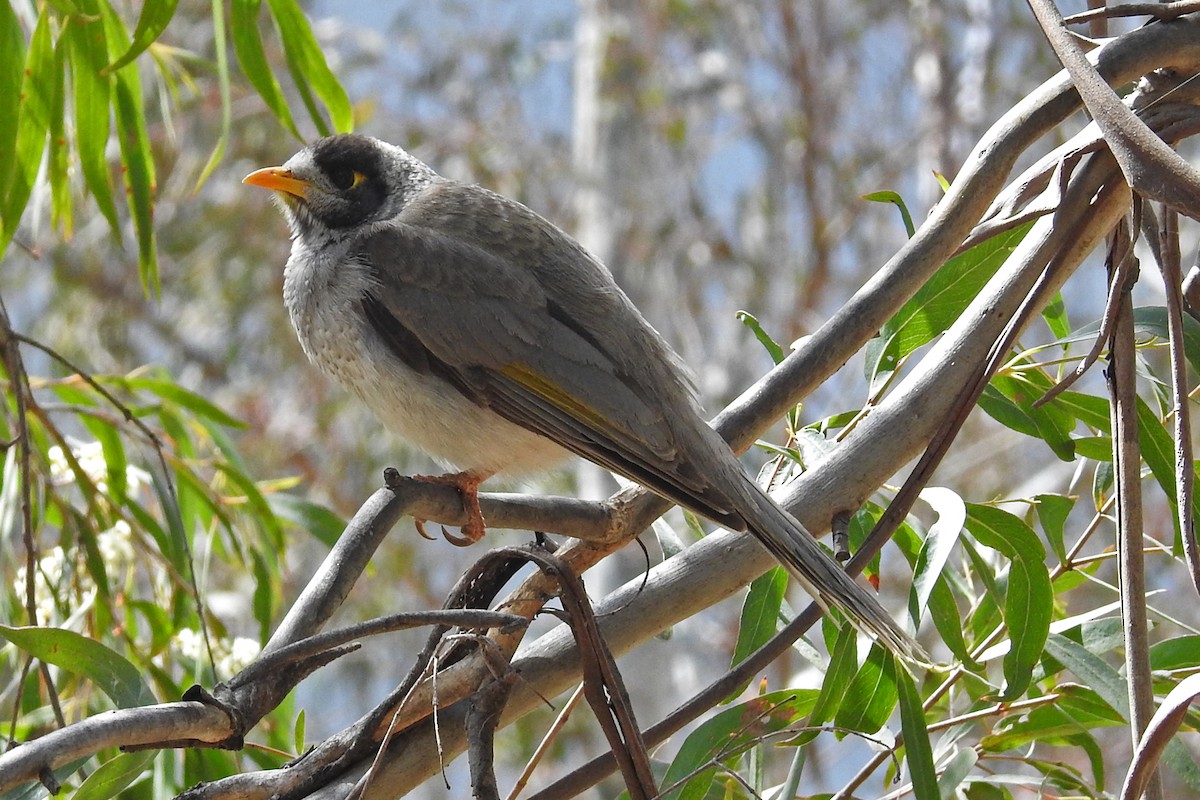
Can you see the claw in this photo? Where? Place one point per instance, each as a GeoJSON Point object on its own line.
{"type": "Point", "coordinates": [419, 524]}
{"type": "Point", "coordinates": [467, 484]}
{"type": "Point", "coordinates": [456, 540]}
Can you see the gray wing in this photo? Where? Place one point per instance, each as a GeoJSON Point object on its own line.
{"type": "Point", "coordinates": [490, 301]}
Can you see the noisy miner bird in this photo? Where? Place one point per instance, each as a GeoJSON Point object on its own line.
{"type": "Point", "coordinates": [493, 341]}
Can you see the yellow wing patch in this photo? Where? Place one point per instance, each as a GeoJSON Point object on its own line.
{"type": "Point", "coordinates": [552, 394]}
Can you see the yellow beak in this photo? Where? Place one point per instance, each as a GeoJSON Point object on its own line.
{"type": "Point", "coordinates": [278, 179]}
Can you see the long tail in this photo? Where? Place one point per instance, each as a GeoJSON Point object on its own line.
{"type": "Point", "coordinates": [794, 547]}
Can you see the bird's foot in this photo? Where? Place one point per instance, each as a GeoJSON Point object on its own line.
{"type": "Point", "coordinates": [467, 484]}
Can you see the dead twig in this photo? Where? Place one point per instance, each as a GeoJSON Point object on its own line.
{"type": "Point", "coordinates": [1164, 246]}
{"type": "Point", "coordinates": [1122, 381]}
{"type": "Point", "coordinates": [1150, 167]}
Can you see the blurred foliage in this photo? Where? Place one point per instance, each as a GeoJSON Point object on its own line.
{"type": "Point", "coordinates": [132, 525]}
{"type": "Point", "coordinates": [734, 148]}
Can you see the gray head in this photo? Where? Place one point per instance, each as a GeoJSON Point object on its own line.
{"type": "Point", "coordinates": [343, 182]}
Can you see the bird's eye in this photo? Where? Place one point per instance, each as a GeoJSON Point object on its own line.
{"type": "Point", "coordinates": [344, 179]}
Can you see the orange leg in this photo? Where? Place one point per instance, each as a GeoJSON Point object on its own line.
{"type": "Point", "coordinates": [467, 484]}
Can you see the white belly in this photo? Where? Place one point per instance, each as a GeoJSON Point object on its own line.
{"type": "Point", "coordinates": [423, 409]}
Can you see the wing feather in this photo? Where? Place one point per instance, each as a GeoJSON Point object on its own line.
{"type": "Point", "coordinates": [514, 348]}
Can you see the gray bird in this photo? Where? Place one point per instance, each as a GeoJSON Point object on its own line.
{"type": "Point", "coordinates": [493, 341]}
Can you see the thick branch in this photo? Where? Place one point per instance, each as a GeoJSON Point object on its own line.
{"type": "Point", "coordinates": [1150, 166]}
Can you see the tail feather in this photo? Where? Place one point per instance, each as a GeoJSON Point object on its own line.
{"type": "Point", "coordinates": [794, 547]}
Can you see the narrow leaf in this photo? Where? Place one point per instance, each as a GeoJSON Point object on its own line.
{"type": "Point", "coordinates": [247, 43]}
{"type": "Point", "coordinates": [214, 158]}
{"type": "Point", "coordinates": [91, 91]}
{"type": "Point", "coordinates": [872, 694]}
{"type": "Point", "coordinates": [770, 345]}
{"type": "Point", "coordinates": [918, 752]}
{"type": "Point", "coordinates": [1159, 733]}
{"type": "Point", "coordinates": [728, 733]}
{"type": "Point", "coordinates": [938, 544]}
{"type": "Point", "coordinates": [114, 776]}
{"type": "Point", "coordinates": [184, 398]}
{"type": "Point", "coordinates": [1092, 671]}
{"type": "Point", "coordinates": [1051, 423]}
{"type": "Point", "coordinates": [898, 201]}
{"type": "Point", "coordinates": [941, 300]}
{"type": "Point", "coordinates": [58, 164]}
{"type": "Point", "coordinates": [760, 613]}
{"type": "Point", "coordinates": [321, 523]}
{"type": "Point", "coordinates": [153, 21]}
{"type": "Point", "coordinates": [1052, 512]}
{"type": "Point", "coordinates": [136, 157]}
{"type": "Point", "coordinates": [1055, 315]}
{"type": "Point", "coordinates": [111, 673]}
{"type": "Point", "coordinates": [843, 659]}
{"type": "Point", "coordinates": [33, 121]}
{"type": "Point", "coordinates": [12, 71]}
{"type": "Point", "coordinates": [1029, 598]}
{"type": "Point", "coordinates": [302, 50]}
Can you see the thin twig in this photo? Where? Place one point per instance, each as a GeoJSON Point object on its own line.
{"type": "Point", "coordinates": [1111, 303]}
{"type": "Point", "coordinates": [1150, 167]}
{"type": "Point", "coordinates": [1122, 377]}
{"type": "Point", "coordinates": [1164, 246]}
{"type": "Point", "coordinates": [560, 721]}
{"type": "Point", "coordinates": [1164, 11]}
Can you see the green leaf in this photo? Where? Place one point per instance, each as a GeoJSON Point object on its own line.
{"type": "Point", "coordinates": [940, 301]}
{"type": "Point", "coordinates": [169, 541]}
{"type": "Point", "coordinates": [88, 55]}
{"type": "Point", "coordinates": [1092, 671]}
{"type": "Point", "coordinates": [247, 43]}
{"type": "Point", "coordinates": [114, 776]}
{"type": "Point", "coordinates": [1088, 409]}
{"type": "Point", "coordinates": [898, 201]}
{"type": "Point", "coordinates": [153, 21]}
{"type": "Point", "coordinates": [1181, 652]}
{"type": "Point", "coordinates": [259, 510]}
{"type": "Point", "coordinates": [298, 733]}
{"type": "Point", "coordinates": [1068, 720]}
{"type": "Point", "coordinates": [156, 618]}
{"type": "Point", "coordinates": [1158, 451]}
{"type": "Point", "coordinates": [1052, 512]}
{"type": "Point", "coordinates": [33, 121]}
{"type": "Point", "coordinates": [214, 158]}
{"type": "Point", "coordinates": [308, 64]}
{"type": "Point", "coordinates": [936, 548]}
{"type": "Point", "coordinates": [918, 752]}
{"type": "Point", "coordinates": [12, 73]}
{"type": "Point", "coordinates": [184, 398]}
{"type": "Point", "coordinates": [1051, 423]}
{"type": "Point", "coordinates": [323, 524]}
{"type": "Point", "coordinates": [1055, 315]}
{"type": "Point", "coordinates": [115, 462]}
{"type": "Point", "coordinates": [770, 345]}
{"type": "Point", "coordinates": [843, 659]}
{"type": "Point", "coordinates": [1006, 412]}
{"type": "Point", "coordinates": [266, 589]}
{"type": "Point", "coordinates": [58, 164]}
{"type": "Point", "coordinates": [1028, 598]}
{"type": "Point", "coordinates": [136, 156]}
{"type": "Point", "coordinates": [760, 613]}
{"type": "Point", "coordinates": [956, 771]}
{"type": "Point", "coordinates": [1149, 322]}
{"type": "Point", "coordinates": [730, 732]}
{"type": "Point", "coordinates": [948, 621]}
{"type": "Point", "coordinates": [111, 673]}
{"type": "Point", "coordinates": [300, 79]}
{"type": "Point", "coordinates": [872, 694]}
